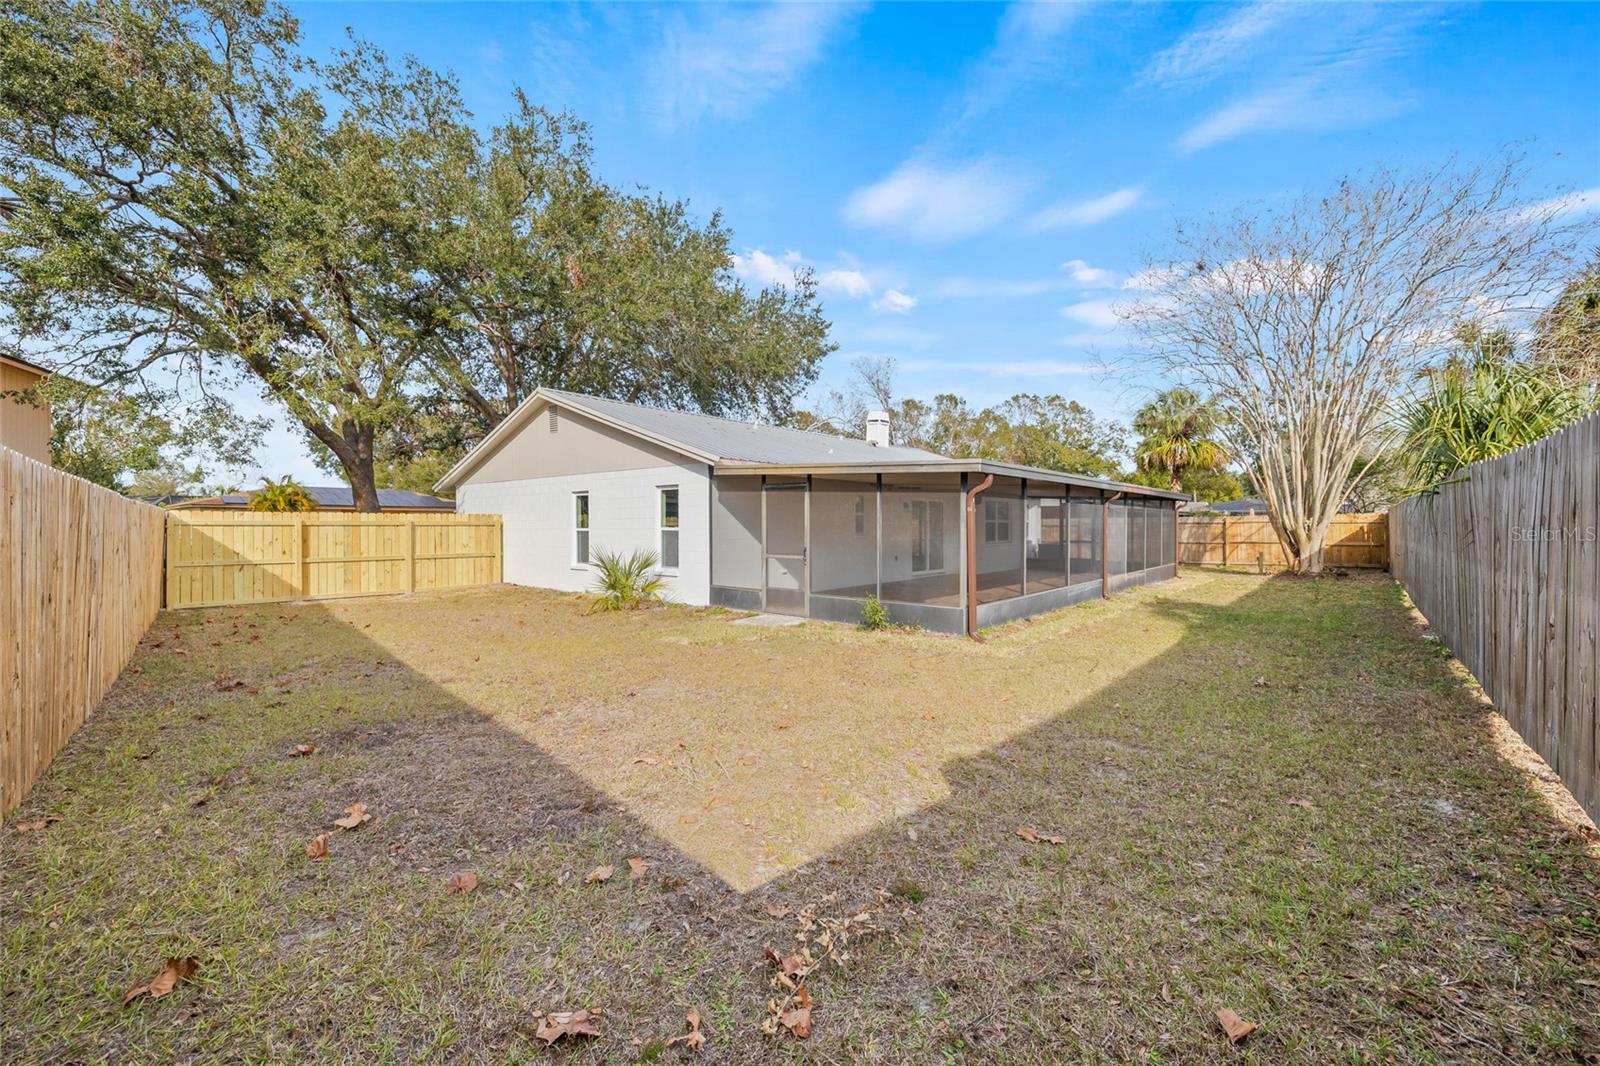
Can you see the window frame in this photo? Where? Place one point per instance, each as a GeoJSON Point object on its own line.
{"type": "Point", "coordinates": [581, 498]}
{"type": "Point", "coordinates": [662, 529]}
{"type": "Point", "coordinates": [996, 518]}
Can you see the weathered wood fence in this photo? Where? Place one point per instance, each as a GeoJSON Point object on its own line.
{"type": "Point", "coordinates": [1354, 540]}
{"type": "Point", "coordinates": [216, 558]}
{"type": "Point", "coordinates": [1505, 565]}
{"type": "Point", "coordinates": [80, 582]}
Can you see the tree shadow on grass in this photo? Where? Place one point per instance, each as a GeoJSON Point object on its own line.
{"type": "Point", "coordinates": [1397, 912]}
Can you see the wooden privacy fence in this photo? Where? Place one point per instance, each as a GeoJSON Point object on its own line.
{"type": "Point", "coordinates": [1354, 540]}
{"type": "Point", "coordinates": [228, 557]}
{"type": "Point", "coordinates": [81, 583]}
{"type": "Point", "coordinates": [1504, 564]}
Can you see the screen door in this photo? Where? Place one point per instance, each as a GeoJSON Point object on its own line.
{"type": "Point", "coordinates": [784, 548]}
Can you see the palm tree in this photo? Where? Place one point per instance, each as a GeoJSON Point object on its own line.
{"type": "Point", "coordinates": [1482, 403]}
{"type": "Point", "coordinates": [281, 495]}
{"type": "Point", "coordinates": [1177, 433]}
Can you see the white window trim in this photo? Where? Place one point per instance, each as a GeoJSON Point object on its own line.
{"type": "Point", "coordinates": [661, 527]}
{"type": "Point", "coordinates": [572, 543]}
{"type": "Point", "coordinates": [994, 518]}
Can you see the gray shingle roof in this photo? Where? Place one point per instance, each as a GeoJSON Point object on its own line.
{"type": "Point", "coordinates": [740, 442]}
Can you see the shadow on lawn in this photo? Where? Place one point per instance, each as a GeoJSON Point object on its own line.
{"type": "Point", "coordinates": [1395, 913]}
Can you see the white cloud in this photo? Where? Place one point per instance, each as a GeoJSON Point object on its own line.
{"type": "Point", "coordinates": [724, 61]}
{"type": "Point", "coordinates": [895, 302]}
{"type": "Point", "coordinates": [1081, 272]}
{"type": "Point", "coordinates": [763, 270]}
{"type": "Point", "coordinates": [1211, 50]}
{"type": "Point", "coordinates": [844, 283]}
{"type": "Point", "coordinates": [1151, 279]}
{"type": "Point", "coordinates": [1318, 101]}
{"type": "Point", "coordinates": [1574, 204]}
{"type": "Point", "coordinates": [1070, 213]}
{"type": "Point", "coordinates": [1075, 273]}
{"type": "Point", "coordinates": [935, 205]}
{"type": "Point", "coordinates": [1026, 49]}
{"type": "Point", "coordinates": [1099, 314]}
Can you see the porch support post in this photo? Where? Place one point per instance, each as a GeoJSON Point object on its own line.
{"type": "Point", "coordinates": [969, 554]}
{"type": "Point", "coordinates": [1022, 494]}
{"type": "Point", "coordinates": [877, 538]}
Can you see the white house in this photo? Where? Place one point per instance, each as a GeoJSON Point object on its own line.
{"type": "Point", "coordinates": [783, 520]}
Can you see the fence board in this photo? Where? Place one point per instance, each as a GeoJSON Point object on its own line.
{"type": "Point", "coordinates": [1505, 565]}
{"type": "Point", "coordinates": [1354, 540]}
{"type": "Point", "coordinates": [82, 583]}
{"type": "Point", "coordinates": [216, 558]}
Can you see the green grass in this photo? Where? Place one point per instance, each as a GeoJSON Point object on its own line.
{"type": "Point", "coordinates": [1427, 905]}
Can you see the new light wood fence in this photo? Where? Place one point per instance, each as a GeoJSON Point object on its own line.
{"type": "Point", "coordinates": [1354, 540]}
{"type": "Point", "coordinates": [1505, 565]}
{"type": "Point", "coordinates": [215, 558]}
{"type": "Point", "coordinates": [80, 582]}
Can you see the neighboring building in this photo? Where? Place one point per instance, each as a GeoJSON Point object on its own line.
{"type": "Point", "coordinates": [782, 520]}
{"type": "Point", "coordinates": [328, 498]}
{"type": "Point", "coordinates": [24, 427]}
{"type": "Point", "coordinates": [1235, 507]}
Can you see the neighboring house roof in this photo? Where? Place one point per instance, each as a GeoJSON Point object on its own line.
{"type": "Point", "coordinates": [35, 367]}
{"type": "Point", "coordinates": [1249, 506]}
{"type": "Point", "coordinates": [333, 498]}
{"type": "Point", "coordinates": [748, 446]}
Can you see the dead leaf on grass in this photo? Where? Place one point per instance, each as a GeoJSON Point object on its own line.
{"type": "Point", "coordinates": [637, 868]}
{"type": "Point", "coordinates": [224, 682]}
{"type": "Point", "coordinates": [354, 815]}
{"type": "Point", "coordinates": [1307, 804]}
{"type": "Point", "coordinates": [35, 824]}
{"type": "Point", "coordinates": [797, 1021]}
{"type": "Point", "coordinates": [1034, 836]}
{"type": "Point", "coordinates": [791, 965]}
{"type": "Point", "coordinates": [176, 970]}
{"type": "Point", "coordinates": [694, 1039]}
{"type": "Point", "coordinates": [599, 873]}
{"type": "Point", "coordinates": [301, 750]}
{"type": "Point", "coordinates": [648, 760]}
{"type": "Point", "coordinates": [783, 725]}
{"type": "Point", "coordinates": [1261, 682]}
{"type": "Point", "coordinates": [746, 760]}
{"type": "Point", "coordinates": [1236, 1027]}
{"type": "Point", "coordinates": [318, 847]}
{"type": "Point", "coordinates": [557, 1024]}
{"type": "Point", "coordinates": [777, 910]}
{"type": "Point", "coordinates": [462, 882]}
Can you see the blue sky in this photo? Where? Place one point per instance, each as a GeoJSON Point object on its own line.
{"type": "Point", "coordinates": [975, 183]}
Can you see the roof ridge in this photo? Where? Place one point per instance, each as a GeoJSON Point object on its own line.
{"type": "Point", "coordinates": [711, 417]}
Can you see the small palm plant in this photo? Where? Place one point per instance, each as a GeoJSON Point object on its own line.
{"type": "Point", "coordinates": [626, 582]}
{"type": "Point", "coordinates": [281, 495]}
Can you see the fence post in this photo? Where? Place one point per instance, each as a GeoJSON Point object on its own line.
{"type": "Point", "coordinates": [1225, 520]}
{"type": "Point", "coordinates": [411, 555]}
{"type": "Point", "coordinates": [301, 566]}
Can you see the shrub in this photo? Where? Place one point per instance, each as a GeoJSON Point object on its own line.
{"type": "Point", "coordinates": [874, 615]}
{"type": "Point", "coordinates": [284, 495]}
{"type": "Point", "coordinates": [626, 582]}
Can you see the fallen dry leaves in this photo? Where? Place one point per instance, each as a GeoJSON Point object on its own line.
{"type": "Point", "coordinates": [354, 815]}
{"type": "Point", "coordinates": [694, 1039]}
{"type": "Point", "coordinates": [176, 970]}
{"type": "Point", "coordinates": [637, 868]}
{"type": "Point", "coordinates": [560, 1023]}
{"type": "Point", "coordinates": [318, 847]}
{"type": "Point", "coordinates": [1307, 804]}
{"type": "Point", "coordinates": [35, 824]}
{"type": "Point", "coordinates": [462, 882]}
{"type": "Point", "coordinates": [599, 873]}
{"type": "Point", "coordinates": [302, 750]}
{"type": "Point", "coordinates": [1034, 836]}
{"type": "Point", "coordinates": [1236, 1027]}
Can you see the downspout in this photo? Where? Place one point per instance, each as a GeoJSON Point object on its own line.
{"type": "Point", "coordinates": [1105, 544]}
{"type": "Point", "coordinates": [972, 555]}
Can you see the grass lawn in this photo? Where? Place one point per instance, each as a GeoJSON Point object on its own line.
{"type": "Point", "coordinates": [1270, 795]}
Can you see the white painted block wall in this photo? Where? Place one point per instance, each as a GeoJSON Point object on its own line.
{"type": "Point", "coordinates": [623, 516]}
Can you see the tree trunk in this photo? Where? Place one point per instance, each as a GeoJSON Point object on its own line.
{"type": "Point", "coordinates": [353, 448]}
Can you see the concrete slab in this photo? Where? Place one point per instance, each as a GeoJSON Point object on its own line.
{"type": "Point", "coordinates": [770, 620]}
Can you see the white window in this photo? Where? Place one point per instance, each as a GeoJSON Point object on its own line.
{"type": "Point", "coordinates": [580, 528]}
{"type": "Point", "coordinates": [997, 521]}
{"type": "Point", "coordinates": [861, 516]}
{"type": "Point", "coordinates": [669, 528]}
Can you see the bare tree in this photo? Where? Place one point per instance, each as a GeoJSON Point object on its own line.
{"type": "Point", "coordinates": [1306, 322]}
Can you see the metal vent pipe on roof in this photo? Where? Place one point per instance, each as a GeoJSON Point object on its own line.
{"type": "Point", "coordinates": [878, 428]}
